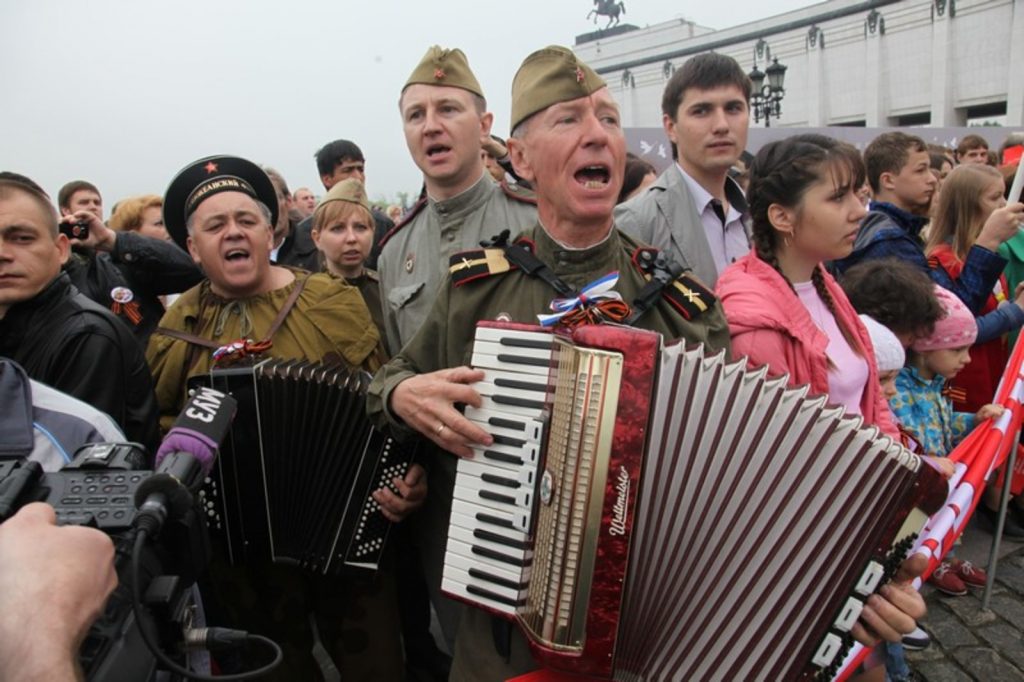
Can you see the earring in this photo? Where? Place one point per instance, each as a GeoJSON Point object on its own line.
{"type": "Point", "coordinates": [786, 239]}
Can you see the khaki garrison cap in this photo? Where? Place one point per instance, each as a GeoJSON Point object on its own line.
{"type": "Point", "coordinates": [550, 76]}
{"type": "Point", "coordinates": [350, 190]}
{"type": "Point", "coordinates": [444, 67]}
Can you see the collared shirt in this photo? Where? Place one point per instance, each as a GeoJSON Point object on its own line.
{"type": "Point", "coordinates": [727, 242]}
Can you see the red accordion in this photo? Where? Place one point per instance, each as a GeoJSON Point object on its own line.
{"type": "Point", "coordinates": [650, 513]}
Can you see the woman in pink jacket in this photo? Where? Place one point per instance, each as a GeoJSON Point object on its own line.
{"type": "Point", "coordinates": [784, 310]}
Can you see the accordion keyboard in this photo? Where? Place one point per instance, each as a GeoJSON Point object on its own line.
{"type": "Point", "coordinates": [489, 552]}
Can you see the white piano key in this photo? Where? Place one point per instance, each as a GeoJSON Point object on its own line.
{"type": "Point", "coordinates": [497, 495]}
{"type": "Point", "coordinates": [505, 457]}
{"type": "Point", "coordinates": [485, 556]}
{"type": "Point", "coordinates": [509, 556]}
{"type": "Point", "coordinates": [515, 380]}
{"type": "Point", "coordinates": [504, 518]}
{"type": "Point", "coordinates": [511, 574]}
{"type": "Point", "coordinates": [496, 335]}
{"type": "Point", "coordinates": [512, 594]}
{"type": "Point", "coordinates": [502, 423]}
{"type": "Point", "coordinates": [531, 410]}
{"type": "Point", "coordinates": [512, 361]}
{"type": "Point", "coordinates": [522, 476]}
{"type": "Point", "coordinates": [472, 523]}
{"type": "Point", "coordinates": [457, 589]}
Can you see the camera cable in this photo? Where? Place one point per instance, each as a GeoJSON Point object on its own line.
{"type": "Point", "coordinates": [221, 636]}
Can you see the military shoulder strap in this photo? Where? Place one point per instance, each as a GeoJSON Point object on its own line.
{"type": "Point", "coordinates": [519, 193]}
{"type": "Point", "coordinates": [667, 279]}
{"type": "Point", "coordinates": [467, 266]}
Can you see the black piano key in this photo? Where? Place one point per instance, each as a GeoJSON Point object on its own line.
{"type": "Point", "coordinates": [500, 539]}
{"type": "Point", "coordinates": [480, 592]}
{"type": "Point", "coordinates": [519, 402]}
{"type": "Point", "coordinates": [507, 423]}
{"type": "Point", "coordinates": [497, 521]}
{"type": "Point", "coordinates": [507, 440]}
{"type": "Point", "coordinates": [521, 385]}
{"type": "Point", "coordinates": [497, 497]}
{"type": "Point", "coordinates": [498, 556]}
{"type": "Point", "coordinates": [497, 580]}
{"type": "Point", "coordinates": [526, 343]}
{"type": "Point", "coordinates": [503, 457]}
{"type": "Point", "coordinates": [500, 480]}
{"type": "Point", "coordinates": [520, 360]}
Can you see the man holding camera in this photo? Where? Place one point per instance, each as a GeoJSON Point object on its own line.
{"type": "Point", "coordinates": [56, 334]}
{"type": "Point", "coordinates": [124, 271]}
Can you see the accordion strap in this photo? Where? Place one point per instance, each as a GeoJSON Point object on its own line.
{"type": "Point", "coordinates": [197, 340]}
{"type": "Point", "coordinates": [521, 257]}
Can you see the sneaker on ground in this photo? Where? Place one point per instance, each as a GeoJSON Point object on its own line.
{"type": "Point", "coordinates": [946, 581]}
{"type": "Point", "coordinates": [917, 640]}
{"type": "Point", "coordinates": [970, 574]}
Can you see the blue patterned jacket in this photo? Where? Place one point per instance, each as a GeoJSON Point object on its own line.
{"type": "Point", "coordinates": [928, 415]}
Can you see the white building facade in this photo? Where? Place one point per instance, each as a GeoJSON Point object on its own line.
{"type": "Point", "coordinates": [945, 63]}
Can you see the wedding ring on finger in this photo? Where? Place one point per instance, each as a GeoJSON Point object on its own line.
{"type": "Point", "coordinates": [441, 427]}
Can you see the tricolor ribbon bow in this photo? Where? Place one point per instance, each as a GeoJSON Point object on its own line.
{"type": "Point", "coordinates": [596, 303]}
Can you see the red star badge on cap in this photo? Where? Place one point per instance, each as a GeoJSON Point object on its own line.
{"type": "Point", "coordinates": [579, 75]}
{"type": "Point", "coordinates": [438, 74]}
{"type": "Point", "coordinates": [210, 167]}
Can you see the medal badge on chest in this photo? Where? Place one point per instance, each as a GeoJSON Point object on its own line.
{"type": "Point", "coordinates": [123, 301]}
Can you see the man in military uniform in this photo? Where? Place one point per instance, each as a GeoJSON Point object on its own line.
{"type": "Point", "coordinates": [567, 141]}
{"type": "Point", "coordinates": [445, 119]}
{"type": "Point", "coordinates": [222, 209]}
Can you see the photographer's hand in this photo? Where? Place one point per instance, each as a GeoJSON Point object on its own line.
{"type": "Point", "coordinates": [54, 582]}
{"type": "Point", "coordinates": [100, 237]}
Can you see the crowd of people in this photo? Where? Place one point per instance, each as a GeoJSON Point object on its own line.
{"type": "Point", "coordinates": [890, 281]}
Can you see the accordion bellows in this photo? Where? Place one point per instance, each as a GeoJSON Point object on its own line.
{"type": "Point", "coordinates": [294, 479]}
{"type": "Point", "coordinates": [690, 518]}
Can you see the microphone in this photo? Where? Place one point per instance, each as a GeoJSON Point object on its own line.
{"type": "Point", "coordinates": [184, 458]}
{"type": "Point", "coordinates": [201, 426]}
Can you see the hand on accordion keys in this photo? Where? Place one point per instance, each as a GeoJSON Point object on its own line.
{"type": "Point", "coordinates": [412, 491]}
{"type": "Point", "coordinates": [426, 402]}
{"type": "Point", "coordinates": [893, 612]}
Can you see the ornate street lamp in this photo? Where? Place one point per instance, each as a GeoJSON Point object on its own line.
{"type": "Point", "coordinates": [766, 98]}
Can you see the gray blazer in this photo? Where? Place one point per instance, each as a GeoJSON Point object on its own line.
{"type": "Point", "coordinates": [665, 217]}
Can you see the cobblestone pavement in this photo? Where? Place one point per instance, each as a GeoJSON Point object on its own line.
{"type": "Point", "coordinates": [967, 642]}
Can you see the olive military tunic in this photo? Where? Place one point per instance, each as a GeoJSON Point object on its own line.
{"type": "Point", "coordinates": [414, 258]}
{"type": "Point", "coordinates": [445, 340]}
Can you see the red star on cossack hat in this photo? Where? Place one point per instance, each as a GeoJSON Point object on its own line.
{"type": "Point", "coordinates": [211, 167]}
{"type": "Point", "coordinates": [579, 75]}
{"type": "Point", "coordinates": [438, 74]}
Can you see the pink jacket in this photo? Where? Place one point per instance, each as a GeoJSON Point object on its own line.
{"type": "Point", "coordinates": [769, 324]}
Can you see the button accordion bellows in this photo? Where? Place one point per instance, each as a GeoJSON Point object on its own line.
{"type": "Point", "coordinates": [655, 513]}
{"type": "Point", "coordinates": [294, 478]}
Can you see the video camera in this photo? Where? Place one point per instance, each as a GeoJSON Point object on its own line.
{"type": "Point", "coordinates": [159, 536]}
{"type": "Point", "coordinates": [98, 489]}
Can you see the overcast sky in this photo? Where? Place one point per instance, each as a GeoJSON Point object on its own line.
{"type": "Point", "coordinates": [125, 93]}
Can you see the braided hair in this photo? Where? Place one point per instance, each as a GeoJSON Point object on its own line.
{"type": "Point", "coordinates": [781, 174]}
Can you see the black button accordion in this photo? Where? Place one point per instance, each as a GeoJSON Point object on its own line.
{"type": "Point", "coordinates": [294, 477]}
{"type": "Point", "coordinates": [654, 512]}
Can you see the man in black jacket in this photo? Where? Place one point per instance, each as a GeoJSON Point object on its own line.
{"type": "Point", "coordinates": [56, 334]}
{"type": "Point", "coordinates": [123, 271]}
